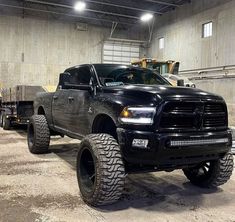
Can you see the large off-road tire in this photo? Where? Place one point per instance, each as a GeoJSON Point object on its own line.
{"type": "Point", "coordinates": [100, 170]}
{"type": "Point", "coordinates": [38, 135]}
{"type": "Point", "coordinates": [211, 174]}
{"type": "Point", "coordinates": [6, 123]}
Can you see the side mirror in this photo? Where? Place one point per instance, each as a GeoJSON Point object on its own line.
{"type": "Point", "coordinates": [180, 82]}
{"type": "Point", "coordinates": [64, 78]}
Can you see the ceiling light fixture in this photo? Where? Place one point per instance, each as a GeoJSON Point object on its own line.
{"type": "Point", "coordinates": [146, 17]}
{"type": "Point", "coordinates": [80, 6]}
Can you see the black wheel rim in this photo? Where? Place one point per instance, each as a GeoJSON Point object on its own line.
{"type": "Point", "coordinates": [31, 135]}
{"type": "Point", "coordinates": [87, 170]}
{"type": "Point", "coordinates": [203, 171]}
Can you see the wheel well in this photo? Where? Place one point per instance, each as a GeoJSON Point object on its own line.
{"type": "Point", "coordinates": [41, 111]}
{"type": "Point", "coordinates": [104, 124]}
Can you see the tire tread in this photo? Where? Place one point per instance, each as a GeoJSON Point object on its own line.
{"type": "Point", "coordinates": [42, 135]}
{"type": "Point", "coordinates": [111, 170]}
{"type": "Point", "coordinates": [221, 173]}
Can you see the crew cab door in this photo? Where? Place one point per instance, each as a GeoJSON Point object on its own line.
{"type": "Point", "coordinates": [79, 101]}
{"type": "Point", "coordinates": [59, 107]}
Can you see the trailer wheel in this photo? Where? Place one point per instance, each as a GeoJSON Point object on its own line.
{"type": "Point", "coordinates": [6, 123]}
{"type": "Point", "coordinates": [211, 174]}
{"type": "Point", "coordinates": [100, 170]}
{"type": "Point", "coordinates": [38, 135]}
{"type": "Point", "coordinates": [0, 119]}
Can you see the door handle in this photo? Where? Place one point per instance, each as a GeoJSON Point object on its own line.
{"type": "Point", "coordinates": [55, 97]}
{"type": "Point", "coordinates": [70, 98]}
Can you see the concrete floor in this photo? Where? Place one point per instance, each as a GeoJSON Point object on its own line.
{"type": "Point", "coordinates": [44, 188]}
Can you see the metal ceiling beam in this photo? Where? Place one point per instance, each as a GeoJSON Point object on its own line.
{"type": "Point", "coordinates": [64, 14]}
{"type": "Point", "coordinates": [163, 3]}
{"type": "Point", "coordinates": [90, 10]}
{"type": "Point", "coordinates": [124, 6]}
{"type": "Point", "coordinates": [166, 6]}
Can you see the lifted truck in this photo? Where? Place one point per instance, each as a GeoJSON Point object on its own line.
{"type": "Point", "coordinates": [131, 120]}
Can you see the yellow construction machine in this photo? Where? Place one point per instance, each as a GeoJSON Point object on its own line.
{"type": "Point", "coordinates": [161, 67]}
{"type": "Point", "coordinates": [168, 69]}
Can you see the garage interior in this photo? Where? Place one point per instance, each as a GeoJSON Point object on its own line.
{"type": "Point", "coordinates": [39, 39]}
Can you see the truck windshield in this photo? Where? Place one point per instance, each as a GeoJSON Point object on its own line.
{"type": "Point", "coordinates": [112, 75]}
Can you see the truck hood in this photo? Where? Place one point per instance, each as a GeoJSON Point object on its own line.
{"type": "Point", "coordinates": [162, 92]}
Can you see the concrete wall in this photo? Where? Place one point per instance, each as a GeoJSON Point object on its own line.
{"type": "Point", "coordinates": [35, 51]}
{"type": "Point", "coordinates": [182, 30]}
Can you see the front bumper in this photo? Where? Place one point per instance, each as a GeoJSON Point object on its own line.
{"type": "Point", "coordinates": [161, 154]}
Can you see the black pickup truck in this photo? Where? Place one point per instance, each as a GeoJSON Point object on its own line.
{"type": "Point", "coordinates": [131, 120]}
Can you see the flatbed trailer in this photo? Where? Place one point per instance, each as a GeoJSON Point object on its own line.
{"type": "Point", "coordinates": [17, 105]}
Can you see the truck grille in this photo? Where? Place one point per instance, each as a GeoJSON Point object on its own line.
{"type": "Point", "coordinates": [214, 115]}
{"type": "Point", "coordinates": [193, 115]}
{"type": "Point", "coordinates": [214, 108]}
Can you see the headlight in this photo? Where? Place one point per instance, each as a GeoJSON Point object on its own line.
{"type": "Point", "coordinates": [137, 115]}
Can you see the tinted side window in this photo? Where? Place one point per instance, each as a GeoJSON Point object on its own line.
{"type": "Point", "coordinates": [80, 76]}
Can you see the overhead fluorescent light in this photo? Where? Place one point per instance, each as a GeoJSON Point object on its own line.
{"type": "Point", "coordinates": [146, 17]}
{"type": "Point", "coordinates": [80, 6]}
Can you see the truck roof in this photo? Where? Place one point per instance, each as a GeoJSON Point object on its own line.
{"type": "Point", "coordinates": [97, 64]}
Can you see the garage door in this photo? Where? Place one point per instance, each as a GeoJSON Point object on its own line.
{"type": "Point", "coordinates": [120, 52]}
